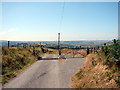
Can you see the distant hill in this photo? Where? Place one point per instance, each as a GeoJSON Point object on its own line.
{"type": "Point", "coordinates": [88, 43]}
{"type": "Point", "coordinates": [92, 43]}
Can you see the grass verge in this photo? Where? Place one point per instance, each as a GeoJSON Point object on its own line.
{"type": "Point", "coordinates": [15, 60]}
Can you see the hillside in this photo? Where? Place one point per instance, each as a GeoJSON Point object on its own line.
{"type": "Point", "coordinates": [16, 59]}
{"type": "Point", "coordinates": [92, 43]}
{"type": "Point", "coordinates": [100, 70]}
{"type": "Point", "coordinates": [75, 52]}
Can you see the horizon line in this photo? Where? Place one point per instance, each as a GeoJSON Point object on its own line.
{"type": "Point", "coordinates": [55, 40]}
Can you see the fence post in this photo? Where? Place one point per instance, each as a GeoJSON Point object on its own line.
{"type": "Point", "coordinates": [25, 45]}
{"type": "Point", "coordinates": [91, 50]}
{"type": "Point", "coordinates": [80, 47]}
{"type": "Point", "coordinates": [8, 44]}
{"type": "Point", "coordinates": [104, 44]}
{"type": "Point", "coordinates": [94, 50]}
{"type": "Point", "coordinates": [106, 52]}
{"type": "Point", "coordinates": [33, 50]}
{"type": "Point", "coordinates": [98, 47]}
{"type": "Point", "coordinates": [73, 52]}
{"type": "Point", "coordinates": [114, 41]}
{"type": "Point", "coordinates": [17, 45]}
{"type": "Point", "coordinates": [87, 50]}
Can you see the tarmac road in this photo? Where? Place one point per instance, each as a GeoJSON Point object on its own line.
{"type": "Point", "coordinates": [47, 73]}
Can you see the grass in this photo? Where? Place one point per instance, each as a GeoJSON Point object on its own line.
{"type": "Point", "coordinates": [100, 70]}
{"type": "Point", "coordinates": [78, 53]}
{"type": "Point", "coordinates": [14, 60]}
{"type": "Point", "coordinates": [79, 74]}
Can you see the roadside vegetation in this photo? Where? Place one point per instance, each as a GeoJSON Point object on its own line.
{"type": "Point", "coordinates": [79, 53]}
{"type": "Point", "coordinates": [15, 59]}
{"type": "Point", "coordinates": [100, 70]}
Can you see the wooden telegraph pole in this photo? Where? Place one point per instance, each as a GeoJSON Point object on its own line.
{"type": "Point", "coordinates": [59, 44]}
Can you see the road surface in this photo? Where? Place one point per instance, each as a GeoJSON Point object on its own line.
{"type": "Point", "coordinates": [47, 73]}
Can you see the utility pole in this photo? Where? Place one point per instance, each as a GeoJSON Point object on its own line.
{"type": "Point", "coordinates": [59, 44]}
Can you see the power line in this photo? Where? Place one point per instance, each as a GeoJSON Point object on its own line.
{"type": "Point", "coordinates": [60, 28]}
{"type": "Point", "coordinates": [62, 16]}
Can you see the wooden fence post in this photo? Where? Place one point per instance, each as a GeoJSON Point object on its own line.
{"type": "Point", "coordinates": [17, 45]}
{"type": "Point", "coordinates": [8, 44]}
{"type": "Point", "coordinates": [106, 52]}
{"type": "Point", "coordinates": [114, 41]}
{"type": "Point", "coordinates": [33, 50]}
{"type": "Point", "coordinates": [91, 50]}
{"type": "Point", "coordinates": [30, 46]}
{"type": "Point", "coordinates": [94, 50]}
{"type": "Point", "coordinates": [104, 44]}
{"type": "Point", "coordinates": [80, 47]}
{"type": "Point", "coordinates": [87, 50]}
{"type": "Point", "coordinates": [98, 47]}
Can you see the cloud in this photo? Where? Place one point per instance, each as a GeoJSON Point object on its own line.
{"type": "Point", "coordinates": [5, 34]}
{"type": "Point", "coordinates": [9, 31]}
{"type": "Point", "coordinates": [2, 33]}
{"type": "Point", "coordinates": [54, 36]}
{"type": "Point", "coordinates": [12, 30]}
{"type": "Point", "coordinates": [89, 36]}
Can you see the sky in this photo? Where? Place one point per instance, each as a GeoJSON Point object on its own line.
{"type": "Point", "coordinates": [42, 21]}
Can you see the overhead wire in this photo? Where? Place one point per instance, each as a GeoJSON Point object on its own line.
{"type": "Point", "coordinates": [60, 26]}
{"type": "Point", "coordinates": [62, 14]}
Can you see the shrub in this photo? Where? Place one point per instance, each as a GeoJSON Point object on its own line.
{"type": "Point", "coordinates": [109, 75]}
{"type": "Point", "coordinates": [79, 74]}
{"type": "Point", "coordinates": [13, 60]}
{"type": "Point", "coordinates": [44, 50]}
{"type": "Point", "coordinates": [5, 51]}
{"type": "Point", "coordinates": [117, 81]}
{"type": "Point", "coordinates": [94, 62]}
{"type": "Point", "coordinates": [112, 53]}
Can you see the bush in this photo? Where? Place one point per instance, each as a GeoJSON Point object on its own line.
{"type": "Point", "coordinates": [44, 50]}
{"type": "Point", "coordinates": [94, 62]}
{"type": "Point", "coordinates": [109, 75]}
{"type": "Point", "coordinates": [112, 53]}
{"type": "Point", "coordinates": [5, 51]}
{"type": "Point", "coordinates": [79, 74]}
{"type": "Point", "coordinates": [117, 81]}
{"type": "Point", "coordinates": [13, 60]}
